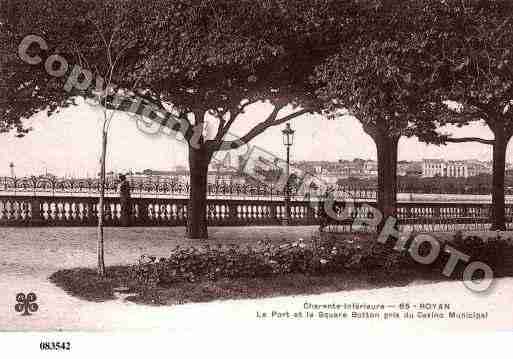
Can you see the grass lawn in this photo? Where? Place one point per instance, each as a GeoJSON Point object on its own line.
{"type": "Point", "coordinates": [85, 284]}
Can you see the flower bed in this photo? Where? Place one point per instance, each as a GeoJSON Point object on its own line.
{"type": "Point", "coordinates": [208, 263]}
{"type": "Point", "coordinates": [316, 256]}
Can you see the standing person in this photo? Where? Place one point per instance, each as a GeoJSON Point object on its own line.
{"type": "Point", "coordinates": [124, 195]}
{"type": "Point", "coordinates": [323, 216]}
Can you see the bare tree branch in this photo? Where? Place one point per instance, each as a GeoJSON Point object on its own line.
{"type": "Point", "coordinates": [469, 139]}
{"type": "Point", "coordinates": [234, 113]}
{"type": "Point", "coordinates": [218, 141]}
{"type": "Point", "coordinates": [258, 129]}
{"type": "Point", "coordinates": [225, 126]}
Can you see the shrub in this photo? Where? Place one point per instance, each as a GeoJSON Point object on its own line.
{"type": "Point", "coordinates": [383, 262]}
{"type": "Point", "coordinates": [494, 251]}
{"type": "Point", "coordinates": [317, 256]}
{"type": "Point", "coordinates": [313, 257]}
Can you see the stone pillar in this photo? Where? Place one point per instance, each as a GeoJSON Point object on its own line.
{"type": "Point", "coordinates": [88, 216]}
{"type": "Point", "coordinates": [232, 213]}
{"type": "Point", "coordinates": [274, 216]}
{"type": "Point", "coordinates": [36, 209]}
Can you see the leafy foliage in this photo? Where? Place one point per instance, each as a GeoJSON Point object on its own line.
{"type": "Point", "coordinates": [76, 32]}
{"type": "Point", "coordinates": [196, 56]}
{"type": "Point", "coordinates": [383, 77]}
{"type": "Point", "coordinates": [474, 57]}
{"type": "Point", "coordinates": [476, 60]}
{"type": "Point", "coordinates": [208, 263]}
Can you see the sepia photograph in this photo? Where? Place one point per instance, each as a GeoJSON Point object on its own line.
{"type": "Point", "coordinates": [279, 168]}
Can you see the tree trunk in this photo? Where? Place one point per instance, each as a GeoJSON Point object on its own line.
{"type": "Point", "coordinates": [199, 159]}
{"type": "Point", "coordinates": [387, 176]}
{"type": "Point", "coordinates": [100, 249]}
{"type": "Point", "coordinates": [499, 167]}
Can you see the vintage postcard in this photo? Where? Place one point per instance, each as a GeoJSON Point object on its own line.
{"type": "Point", "coordinates": [254, 166]}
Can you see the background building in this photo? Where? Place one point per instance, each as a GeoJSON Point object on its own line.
{"type": "Point", "coordinates": [459, 169]}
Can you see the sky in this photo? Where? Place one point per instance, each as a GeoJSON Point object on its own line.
{"type": "Point", "coordinates": [68, 143]}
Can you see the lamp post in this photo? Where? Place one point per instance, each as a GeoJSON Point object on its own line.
{"type": "Point", "coordinates": [13, 176]}
{"type": "Point", "coordinates": [288, 141]}
{"type": "Point", "coordinates": [11, 166]}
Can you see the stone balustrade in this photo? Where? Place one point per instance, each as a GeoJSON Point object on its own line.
{"type": "Point", "coordinates": [83, 211]}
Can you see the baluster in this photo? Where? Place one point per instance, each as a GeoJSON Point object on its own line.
{"type": "Point", "coordinates": [18, 209]}
{"type": "Point", "coordinates": [158, 214]}
{"type": "Point", "coordinates": [268, 213]}
{"type": "Point", "coordinates": [52, 208]}
{"type": "Point", "coordinates": [215, 212]}
{"type": "Point", "coordinates": [162, 213]}
{"type": "Point", "coordinates": [10, 210]}
{"type": "Point", "coordinates": [116, 212]}
{"type": "Point", "coordinates": [238, 214]}
{"type": "Point", "coordinates": [58, 211]}
{"type": "Point", "coordinates": [226, 210]}
{"type": "Point", "coordinates": [180, 213]}
{"type": "Point", "coordinates": [151, 212]}
{"type": "Point", "coordinates": [68, 212]}
{"type": "Point", "coordinates": [75, 212]}
{"type": "Point", "coordinates": [80, 208]}
{"type": "Point", "coordinates": [220, 212]}
{"type": "Point", "coordinates": [247, 216]}
{"type": "Point", "coordinates": [24, 213]}
{"type": "Point", "coordinates": [173, 215]}
{"type": "Point", "coordinates": [183, 212]}
{"type": "Point", "coordinates": [65, 211]}
{"type": "Point", "coordinates": [167, 212]}
{"type": "Point", "coordinates": [47, 211]}
{"type": "Point", "coordinates": [247, 212]}
{"type": "Point", "coordinates": [299, 212]}
{"type": "Point", "coordinates": [254, 213]}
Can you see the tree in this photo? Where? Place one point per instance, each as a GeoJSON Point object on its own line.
{"type": "Point", "coordinates": [384, 81]}
{"type": "Point", "coordinates": [106, 39]}
{"type": "Point", "coordinates": [226, 58]}
{"type": "Point", "coordinates": [476, 61]}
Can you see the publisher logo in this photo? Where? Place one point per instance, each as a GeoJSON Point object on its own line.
{"type": "Point", "coordinates": [26, 303]}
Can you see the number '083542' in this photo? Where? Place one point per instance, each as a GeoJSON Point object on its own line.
{"type": "Point", "coordinates": [55, 346]}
